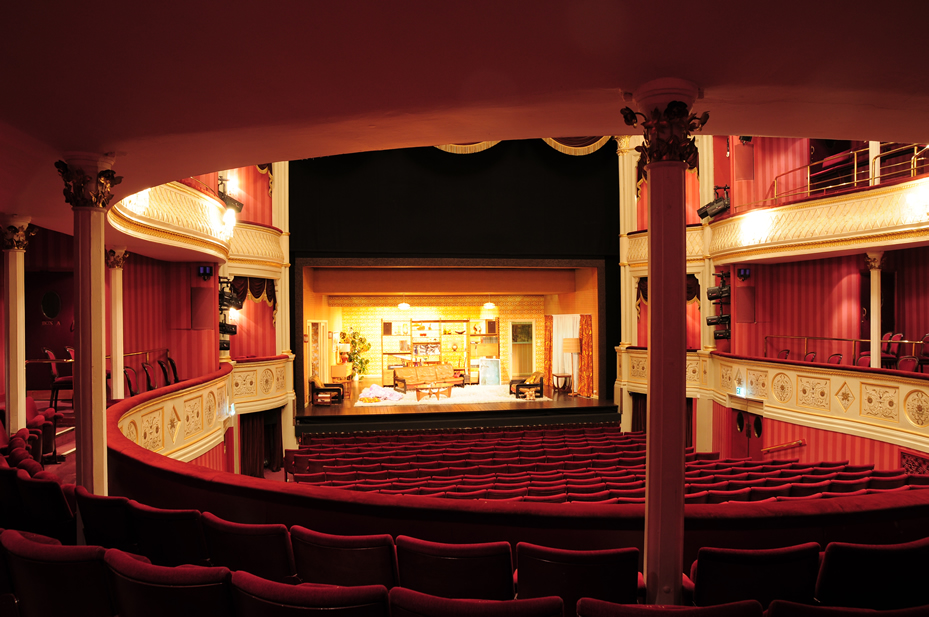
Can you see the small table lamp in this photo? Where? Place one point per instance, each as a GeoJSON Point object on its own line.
{"type": "Point", "coordinates": [572, 346]}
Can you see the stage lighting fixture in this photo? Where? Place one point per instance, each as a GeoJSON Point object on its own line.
{"type": "Point", "coordinates": [718, 320]}
{"type": "Point", "coordinates": [722, 334]}
{"type": "Point", "coordinates": [716, 293]}
{"type": "Point", "coordinates": [718, 205]}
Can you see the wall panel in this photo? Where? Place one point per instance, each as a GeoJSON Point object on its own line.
{"type": "Point", "coordinates": [829, 446]}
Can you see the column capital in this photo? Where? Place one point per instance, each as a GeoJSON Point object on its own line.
{"type": "Point", "coordinates": [83, 190]}
{"type": "Point", "coordinates": [874, 261]}
{"type": "Point", "coordinates": [17, 230]}
{"type": "Point", "coordinates": [116, 257]}
{"type": "Point", "coordinates": [667, 123]}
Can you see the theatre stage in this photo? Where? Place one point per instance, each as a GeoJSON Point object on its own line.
{"type": "Point", "coordinates": [343, 417]}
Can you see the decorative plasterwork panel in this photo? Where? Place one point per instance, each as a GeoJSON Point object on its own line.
{"type": "Point", "coordinates": [695, 243]}
{"type": "Point", "coordinates": [917, 408]}
{"type": "Point", "coordinates": [813, 392]}
{"type": "Point", "coordinates": [704, 365]}
{"type": "Point", "coordinates": [267, 381]}
{"type": "Point", "coordinates": [279, 381]}
{"type": "Point", "coordinates": [879, 401]}
{"type": "Point", "coordinates": [845, 396]}
{"type": "Point", "coordinates": [209, 409]}
{"type": "Point", "coordinates": [783, 387]}
{"type": "Point", "coordinates": [131, 431]}
{"type": "Point", "coordinates": [725, 378]}
{"type": "Point", "coordinates": [254, 244]}
{"type": "Point", "coordinates": [244, 383]}
{"type": "Point", "coordinates": [638, 249]}
{"type": "Point", "coordinates": [693, 371]}
{"type": "Point", "coordinates": [153, 430]}
{"type": "Point", "coordinates": [876, 216]}
{"type": "Point", "coordinates": [193, 416]}
{"type": "Point", "coordinates": [174, 214]}
{"type": "Point", "coordinates": [757, 383]}
{"type": "Point", "coordinates": [639, 367]}
{"type": "Point", "coordinates": [174, 424]}
{"type": "Point", "coordinates": [739, 381]}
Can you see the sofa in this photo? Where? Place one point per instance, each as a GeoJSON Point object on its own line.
{"type": "Point", "coordinates": [416, 375]}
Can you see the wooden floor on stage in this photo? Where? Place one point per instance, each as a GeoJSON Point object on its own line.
{"type": "Point", "coordinates": [560, 400]}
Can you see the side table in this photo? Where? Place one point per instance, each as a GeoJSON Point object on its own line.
{"type": "Point", "coordinates": [565, 382]}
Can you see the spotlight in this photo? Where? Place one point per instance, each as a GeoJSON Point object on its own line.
{"type": "Point", "coordinates": [717, 293]}
{"type": "Point", "coordinates": [718, 205]}
{"type": "Point", "coordinates": [722, 334]}
{"type": "Point", "coordinates": [718, 320]}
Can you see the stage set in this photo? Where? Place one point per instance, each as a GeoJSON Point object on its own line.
{"type": "Point", "coordinates": [461, 409]}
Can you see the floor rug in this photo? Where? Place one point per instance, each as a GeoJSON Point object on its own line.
{"type": "Point", "coordinates": [469, 395]}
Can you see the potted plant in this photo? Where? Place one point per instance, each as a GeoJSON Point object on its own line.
{"type": "Point", "coordinates": [359, 346]}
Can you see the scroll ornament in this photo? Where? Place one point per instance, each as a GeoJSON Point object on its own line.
{"type": "Point", "coordinates": [17, 238]}
{"type": "Point", "coordinates": [667, 133]}
{"type": "Point", "coordinates": [83, 191]}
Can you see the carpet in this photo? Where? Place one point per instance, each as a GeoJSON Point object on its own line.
{"type": "Point", "coordinates": [469, 395]}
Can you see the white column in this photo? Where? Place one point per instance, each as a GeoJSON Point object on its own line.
{"type": "Point", "coordinates": [280, 202]}
{"type": "Point", "coordinates": [627, 162]}
{"type": "Point", "coordinates": [874, 163]}
{"type": "Point", "coordinates": [115, 260]}
{"type": "Point", "coordinates": [875, 260]}
{"type": "Point", "coordinates": [88, 180]}
{"type": "Point", "coordinates": [16, 234]}
{"type": "Point", "coordinates": [706, 172]}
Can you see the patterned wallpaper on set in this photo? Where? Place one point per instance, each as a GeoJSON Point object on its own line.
{"type": "Point", "coordinates": [364, 314]}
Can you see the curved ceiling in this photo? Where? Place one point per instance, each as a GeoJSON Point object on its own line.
{"type": "Point", "coordinates": [178, 88]}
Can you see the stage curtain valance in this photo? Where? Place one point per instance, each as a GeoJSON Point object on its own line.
{"type": "Point", "coordinates": [477, 146]}
{"type": "Point", "coordinates": [577, 146]}
{"type": "Point", "coordinates": [257, 290]}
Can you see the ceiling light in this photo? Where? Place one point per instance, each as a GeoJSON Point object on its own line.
{"type": "Point", "coordinates": [404, 305]}
{"type": "Point", "coordinates": [489, 305]}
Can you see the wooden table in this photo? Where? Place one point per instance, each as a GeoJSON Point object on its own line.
{"type": "Point", "coordinates": [566, 384]}
{"type": "Point", "coordinates": [432, 389]}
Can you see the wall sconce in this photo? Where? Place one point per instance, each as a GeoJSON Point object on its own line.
{"type": "Point", "coordinates": [743, 273]}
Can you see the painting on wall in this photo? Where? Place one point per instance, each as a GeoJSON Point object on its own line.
{"type": "Point", "coordinates": [489, 371]}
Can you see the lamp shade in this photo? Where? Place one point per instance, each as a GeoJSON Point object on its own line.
{"type": "Point", "coordinates": [571, 345]}
{"type": "Point", "coordinates": [344, 347]}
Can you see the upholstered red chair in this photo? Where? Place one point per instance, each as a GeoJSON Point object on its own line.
{"type": "Point", "coordinates": [588, 607]}
{"type": "Point", "coordinates": [410, 603]}
{"type": "Point", "coordinates": [166, 372]}
{"type": "Point", "coordinates": [253, 596]}
{"type": "Point", "coordinates": [263, 550]}
{"type": "Point", "coordinates": [810, 356]}
{"type": "Point", "coordinates": [344, 560]}
{"type": "Point", "coordinates": [169, 537]}
{"type": "Point", "coordinates": [141, 589]}
{"type": "Point", "coordinates": [724, 575]}
{"type": "Point", "coordinates": [477, 571]}
{"type": "Point", "coordinates": [45, 509]}
{"type": "Point", "coordinates": [907, 363]}
{"type": "Point", "coordinates": [132, 381]}
{"type": "Point", "coordinates": [879, 577]}
{"type": "Point", "coordinates": [105, 520]}
{"type": "Point", "coordinates": [59, 382]}
{"type": "Point", "coordinates": [611, 575]}
{"type": "Point", "coordinates": [835, 358]}
{"type": "Point", "coordinates": [151, 378]}
{"type": "Point", "coordinates": [922, 352]}
{"type": "Point", "coordinates": [50, 579]}
{"type": "Point", "coordinates": [783, 608]}
{"type": "Point", "coordinates": [885, 346]}
{"type": "Point", "coordinates": [783, 354]}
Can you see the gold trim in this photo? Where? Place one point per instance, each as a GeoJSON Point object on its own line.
{"type": "Point", "coordinates": [579, 151]}
{"type": "Point", "coordinates": [190, 444]}
{"type": "Point", "coordinates": [125, 224]}
{"type": "Point", "coordinates": [254, 262]}
{"type": "Point", "coordinates": [468, 148]}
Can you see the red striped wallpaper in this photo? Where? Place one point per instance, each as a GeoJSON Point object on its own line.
{"type": "Point", "coordinates": [210, 182]}
{"type": "Point", "coordinates": [806, 298]}
{"type": "Point", "coordinates": [722, 430]}
{"type": "Point", "coordinates": [256, 335]}
{"type": "Point", "coordinates": [51, 251]}
{"type": "Point", "coordinates": [913, 310]}
{"type": "Point", "coordinates": [693, 325]}
{"type": "Point", "coordinates": [215, 459]}
{"type": "Point", "coordinates": [254, 195]}
{"type": "Point", "coordinates": [775, 156]}
{"type": "Point", "coordinates": [828, 446]}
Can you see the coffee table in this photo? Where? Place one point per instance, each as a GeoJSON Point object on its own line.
{"type": "Point", "coordinates": [436, 389]}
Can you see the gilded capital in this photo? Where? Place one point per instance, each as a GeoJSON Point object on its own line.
{"type": "Point", "coordinates": [116, 258]}
{"type": "Point", "coordinates": [667, 133]}
{"type": "Point", "coordinates": [874, 261]}
{"type": "Point", "coordinates": [622, 145]}
{"type": "Point", "coordinates": [83, 191]}
{"type": "Point", "coordinates": [16, 235]}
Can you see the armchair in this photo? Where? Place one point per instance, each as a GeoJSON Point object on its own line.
{"type": "Point", "coordinates": [317, 387]}
{"type": "Point", "coordinates": [535, 382]}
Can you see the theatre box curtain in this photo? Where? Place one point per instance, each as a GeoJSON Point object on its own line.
{"type": "Point", "coordinates": [585, 373]}
{"type": "Point", "coordinates": [549, 327]}
{"type": "Point", "coordinates": [256, 289]}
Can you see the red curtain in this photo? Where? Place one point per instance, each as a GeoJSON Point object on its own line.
{"type": "Point", "coordinates": [585, 372]}
{"type": "Point", "coordinates": [549, 324]}
{"type": "Point", "coordinates": [255, 288]}
{"type": "Point", "coordinates": [252, 441]}
{"type": "Point", "coordinates": [273, 439]}
{"type": "Point", "coordinates": [639, 411]}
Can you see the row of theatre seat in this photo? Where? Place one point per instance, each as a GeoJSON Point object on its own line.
{"type": "Point", "coordinates": [186, 562]}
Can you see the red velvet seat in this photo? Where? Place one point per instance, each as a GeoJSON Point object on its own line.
{"type": "Point", "coordinates": [144, 590]}
{"type": "Point", "coordinates": [724, 575]}
{"type": "Point", "coordinates": [57, 580]}
{"type": "Point", "coordinates": [253, 596]}
{"type": "Point", "coordinates": [610, 575]}
{"type": "Point", "coordinates": [344, 560]}
{"type": "Point", "coordinates": [587, 607]}
{"type": "Point", "coordinates": [105, 520]}
{"type": "Point", "coordinates": [782, 608]}
{"type": "Point", "coordinates": [169, 537]}
{"type": "Point", "coordinates": [410, 603]}
{"type": "Point", "coordinates": [879, 577]}
{"type": "Point", "coordinates": [46, 509]}
{"type": "Point", "coordinates": [477, 571]}
{"type": "Point", "coordinates": [263, 550]}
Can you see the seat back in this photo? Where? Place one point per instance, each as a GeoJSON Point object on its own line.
{"type": "Point", "coordinates": [105, 520]}
{"type": "Point", "coordinates": [783, 354]}
{"type": "Point", "coordinates": [879, 577]}
{"type": "Point", "coordinates": [173, 369]}
{"type": "Point", "coordinates": [144, 590]}
{"type": "Point", "coordinates": [256, 597]}
{"type": "Point", "coordinates": [907, 363]}
{"type": "Point", "coordinates": [53, 366]}
{"type": "Point", "coordinates": [885, 344]}
{"type": "Point", "coordinates": [263, 550]}
{"type": "Point", "coordinates": [151, 379]}
{"type": "Point", "coordinates": [409, 603]}
{"type": "Point", "coordinates": [132, 380]}
{"type": "Point", "coordinates": [610, 575]}
{"type": "Point", "coordinates": [168, 537]}
{"type": "Point", "coordinates": [344, 560]}
{"type": "Point", "coordinates": [894, 347]}
{"type": "Point", "coordinates": [165, 372]}
{"type": "Point", "coordinates": [588, 607]}
{"type": "Point", "coordinates": [722, 575]}
{"type": "Point", "coordinates": [835, 358]}
{"type": "Point", "coordinates": [477, 571]}
{"type": "Point", "coordinates": [50, 579]}
{"type": "Point", "coordinates": [810, 356]}
{"type": "Point", "coordinates": [863, 360]}
{"type": "Point", "coordinates": [45, 509]}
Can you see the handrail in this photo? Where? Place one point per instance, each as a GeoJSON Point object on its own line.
{"type": "Point", "coordinates": [914, 159]}
{"type": "Point", "coordinates": [799, 443]}
{"type": "Point", "coordinates": [854, 341]}
{"type": "Point", "coordinates": [125, 355]}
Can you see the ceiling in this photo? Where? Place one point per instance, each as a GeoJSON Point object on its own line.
{"type": "Point", "coordinates": [179, 88]}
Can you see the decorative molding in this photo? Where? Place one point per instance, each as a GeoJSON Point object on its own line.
{"type": "Point", "coordinates": [153, 430]}
{"type": "Point", "coordinates": [639, 368]}
{"type": "Point", "coordinates": [812, 392]}
{"type": "Point", "coordinates": [209, 411]}
{"type": "Point", "coordinates": [174, 424]}
{"type": "Point", "coordinates": [472, 148]}
{"type": "Point", "coordinates": [874, 261]}
{"type": "Point", "coordinates": [116, 258]}
{"type": "Point", "coordinates": [256, 251]}
{"type": "Point", "coordinates": [637, 252]}
{"type": "Point", "coordinates": [16, 237]}
{"type": "Point", "coordinates": [783, 387]}
{"type": "Point", "coordinates": [267, 381]}
{"type": "Point", "coordinates": [84, 191]}
{"type": "Point", "coordinates": [845, 396]}
{"type": "Point", "coordinates": [667, 133]}
{"type": "Point", "coordinates": [878, 401]}
{"type": "Point", "coordinates": [193, 416]}
{"type": "Point", "coordinates": [757, 384]}
{"type": "Point", "coordinates": [917, 408]}
{"type": "Point", "coordinates": [725, 378]}
{"type": "Point", "coordinates": [243, 384]}
{"type": "Point", "coordinates": [280, 381]}
{"type": "Point", "coordinates": [693, 371]}
{"type": "Point", "coordinates": [577, 151]}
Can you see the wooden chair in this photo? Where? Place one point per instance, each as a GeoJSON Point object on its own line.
{"type": "Point", "coordinates": [810, 356]}
{"type": "Point", "coordinates": [58, 382]}
{"type": "Point", "coordinates": [151, 379]}
{"type": "Point", "coordinates": [132, 380]}
{"type": "Point", "coordinates": [783, 354]}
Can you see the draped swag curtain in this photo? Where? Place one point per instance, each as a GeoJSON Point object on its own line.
{"type": "Point", "coordinates": [549, 324]}
{"type": "Point", "coordinates": [256, 289]}
{"type": "Point", "coordinates": [575, 146]}
{"type": "Point", "coordinates": [641, 292]}
{"type": "Point", "coordinates": [585, 373]}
